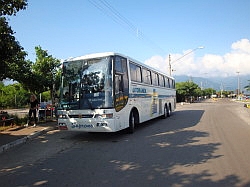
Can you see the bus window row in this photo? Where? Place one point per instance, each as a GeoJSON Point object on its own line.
{"type": "Point", "coordinates": [144, 75]}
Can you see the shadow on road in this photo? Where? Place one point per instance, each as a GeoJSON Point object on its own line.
{"type": "Point", "coordinates": [149, 127]}
{"type": "Point", "coordinates": [159, 153]}
{"type": "Point", "coordinates": [150, 156]}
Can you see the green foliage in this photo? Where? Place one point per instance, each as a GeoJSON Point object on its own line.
{"type": "Point", "coordinates": [42, 76]}
{"type": "Point", "coordinates": [187, 91]}
{"type": "Point", "coordinates": [16, 96]}
{"type": "Point", "coordinates": [38, 77]}
{"type": "Point", "coordinates": [208, 92]}
{"type": "Point", "coordinates": [45, 72]}
{"type": "Point", "coordinates": [12, 56]}
{"type": "Point", "coordinates": [225, 93]}
{"type": "Point", "coordinates": [46, 96]}
{"type": "Point", "coordinates": [13, 96]}
{"type": "Point", "coordinates": [11, 7]}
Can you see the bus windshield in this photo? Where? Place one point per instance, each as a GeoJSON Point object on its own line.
{"type": "Point", "coordinates": [87, 84]}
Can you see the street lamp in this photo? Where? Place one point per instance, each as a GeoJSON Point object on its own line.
{"type": "Point", "coordinates": [170, 63]}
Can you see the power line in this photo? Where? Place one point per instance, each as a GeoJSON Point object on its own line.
{"type": "Point", "coordinates": [111, 12]}
{"type": "Point", "coordinates": [108, 10]}
{"type": "Point", "coordinates": [126, 21]}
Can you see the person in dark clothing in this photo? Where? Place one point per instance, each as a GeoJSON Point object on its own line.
{"type": "Point", "coordinates": [34, 105]}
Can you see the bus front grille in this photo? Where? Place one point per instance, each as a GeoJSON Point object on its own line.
{"type": "Point", "coordinates": [81, 116]}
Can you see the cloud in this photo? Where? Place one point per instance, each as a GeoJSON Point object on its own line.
{"type": "Point", "coordinates": [158, 62]}
{"type": "Point", "coordinates": [237, 60]}
{"type": "Point", "coordinates": [242, 45]}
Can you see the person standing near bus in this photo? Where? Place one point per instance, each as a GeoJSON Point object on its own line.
{"type": "Point", "coordinates": [34, 105]}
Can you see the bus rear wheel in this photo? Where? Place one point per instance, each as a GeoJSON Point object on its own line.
{"type": "Point", "coordinates": [169, 111]}
{"type": "Point", "coordinates": [133, 120]}
{"type": "Point", "coordinates": [165, 112]}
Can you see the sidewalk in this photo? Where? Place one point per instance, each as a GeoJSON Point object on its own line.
{"type": "Point", "coordinates": [18, 135]}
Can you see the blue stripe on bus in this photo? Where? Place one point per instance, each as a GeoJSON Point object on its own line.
{"type": "Point", "coordinates": [148, 96]}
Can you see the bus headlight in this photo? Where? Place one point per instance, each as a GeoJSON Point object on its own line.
{"type": "Point", "coordinates": [104, 116]}
{"type": "Point", "coordinates": [62, 116]}
{"type": "Point", "coordinates": [62, 126]}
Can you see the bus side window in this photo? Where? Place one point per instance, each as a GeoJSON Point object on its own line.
{"type": "Point", "coordinates": [161, 81]}
{"type": "Point", "coordinates": [135, 72]}
{"type": "Point", "coordinates": [146, 74]}
{"type": "Point", "coordinates": [173, 84]}
{"type": "Point", "coordinates": [167, 84]}
{"type": "Point", "coordinates": [170, 83]}
{"type": "Point", "coordinates": [153, 78]}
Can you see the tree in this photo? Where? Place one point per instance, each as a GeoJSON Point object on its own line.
{"type": "Point", "coordinates": [45, 72]}
{"type": "Point", "coordinates": [11, 7]}
{"type": "Point", "coordinates": [41, 75]}
{"type": "Point", "coordinates": [13, 95]}
{"type": "Point", "coordinates": [208, 92]}
{"type": "Point", "coordinates": [186, 91]}
{"type": "Point", "coordinates": [12, 54]}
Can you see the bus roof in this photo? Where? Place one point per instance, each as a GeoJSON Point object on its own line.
{"type": "Point", "coordinates": [93, 55]}
{"type": "Point", "coordinates": [97, 55]}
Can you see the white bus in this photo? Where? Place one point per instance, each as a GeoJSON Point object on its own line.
{"type": "Point", "coordinates": [108, 92]}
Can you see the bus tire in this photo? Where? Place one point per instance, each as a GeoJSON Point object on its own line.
{"type": "Point", "coordinates": [133, 120]}
{"type": "Point", "coordinates": [169, 111]}
{"type": "Point", "coordinates": [165, 112]}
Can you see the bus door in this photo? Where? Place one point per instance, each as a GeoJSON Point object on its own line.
{"type": "Point", "coordinates": [121, 83]}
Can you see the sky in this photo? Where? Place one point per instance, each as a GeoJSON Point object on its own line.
{"type": "Point", "coordinates": [148, 31]}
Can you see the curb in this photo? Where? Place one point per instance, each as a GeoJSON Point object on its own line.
{"type": "Point", "coordinates": [23, 140]}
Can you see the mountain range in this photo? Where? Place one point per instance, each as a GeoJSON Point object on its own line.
{"type": "Point", "coordinates": [229, 83]}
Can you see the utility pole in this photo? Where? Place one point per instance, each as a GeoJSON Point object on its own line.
{"type": "Point", "coordinates": [169, 60]}
{"type": "Point", "coordinates": [238, 90]}
{"type": "Point", "coordinates": [169, 63]}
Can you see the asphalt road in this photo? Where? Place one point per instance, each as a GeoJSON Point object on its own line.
{"type": "Point", "coordinates": [200, 145]}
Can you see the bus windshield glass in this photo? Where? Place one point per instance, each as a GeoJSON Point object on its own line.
{"type": "Point", "coordinates": [87, 84]}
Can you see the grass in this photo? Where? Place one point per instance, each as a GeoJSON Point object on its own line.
{"type": "Point", "coordinates": [18, 122]}
{"type": "Point", "coordinates": [4, 128]}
